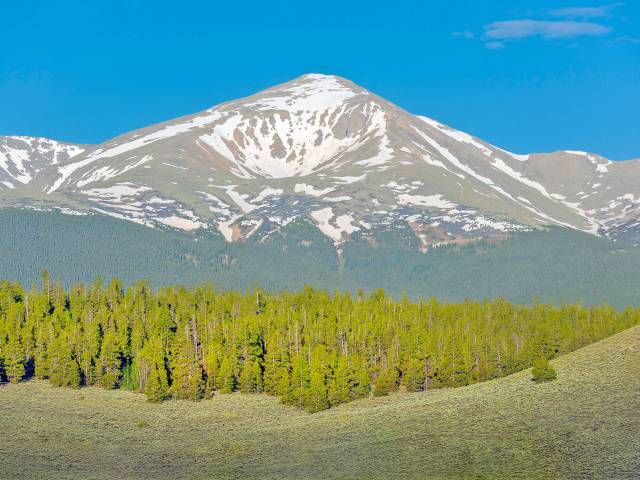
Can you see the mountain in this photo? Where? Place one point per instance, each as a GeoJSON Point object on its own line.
{"type": "Point", "coordinates": [325, 150]}
{"type": "Point", "coordinates": [320, 181]}
{"type": "Point", "coordinates": [23, 158]}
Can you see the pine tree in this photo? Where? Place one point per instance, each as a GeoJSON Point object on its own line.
{"type": "Point", "coordinates": [226, 381]}
{"type": "Point", "coordinates": [257, 374]}
{"type": "Point", "coordinates": [251, 377]}
{"type": "Point", "coordinates": [299, 380]}
{"type": "Point", "coordinates": [454, 371]}
{"type": "Point", "coordinates": [40, 351]}
{"type": "Point", "coordinates": [87, 362]}
{"type": "Point", "coordinates": [361, 382]}
{"type": "Point", "coordinates": [55, 362]}
{"type": "Point", "coordinates": [186, 374]}
{"type": "Point", "coordinates": [14, 360]}
{"type": "Point", "coordinates": [385, 383]}
{"type": "Point", "coordinates": [110, 361]}
{"type": "Point", "coordinates": [63, 368]}
{"type": "Point", "coordinates": [212, 366]}
{"type": "Point", "coordinates": [315, 398]}
{"type": "Point", "coordinates": [274, 363]}
{"type": "Point", "coordinates": [130, 377]}
{"type": "Point", "coordinates": [44, 341]}
{"type": "Point", "coordinates": [283, 385]}
{"type": "Point", "coordinates": [414, 375]}
{"type": "Point", "coordinates": [543, 371]}
{"type": "Point", "coordinates": [340, 383]}
{"type": "Point", "coordinates": [157, 387]}
{"type": "Point", "coordinates": [90, 347]}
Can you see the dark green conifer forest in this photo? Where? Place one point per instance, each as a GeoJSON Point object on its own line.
{"type": "Point", "coordinates": [310, 348]}
{"type": "Point", "coordinates": [556, 265]}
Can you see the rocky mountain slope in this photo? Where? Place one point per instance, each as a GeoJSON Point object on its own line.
{"type": "Point", "coordinates": [23, 158]}
{"type": "Point", "coordinates": [323, 150]}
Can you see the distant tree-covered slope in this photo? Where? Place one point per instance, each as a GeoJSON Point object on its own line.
{"type": "Point", "coordinates": [556, 265]}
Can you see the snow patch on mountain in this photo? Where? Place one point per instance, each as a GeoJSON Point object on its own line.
{"type": "Point", "coordinates": [435, 201]}
{"type": "Point", "coordinates": [180, 222]}
{"type": "Point", "coordinates": [239, 198]}
{"type": "Point", "coordinates": [22, 158]}
{"type": "Point", "coordinates": [342, 198]}
{"type": "Point", "coordinates": [311, 190]}
{"type": "Point", "coordinates": [458, 136]}
{"type": "Point", "coordinates": [314, 93]}
{"type": "Point", "coordinates": [268, 192]}
{"type": "Point", "coordinates": [294, 143]}
{"type": "Point", "coordinates": [350, 179]}
{"type": "Point", "coordinates": [503, 167]}
{"type": "Point", "coordinates": [108, 172]}
{"type": "Point", "coordinates": [117, 192]}
{"type": "Point", "coordinates": [343, 224]}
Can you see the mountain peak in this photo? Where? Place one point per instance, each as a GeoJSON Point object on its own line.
{"type": "Point", "coordinates": [21, 158]}
{"type": "Point", "coordinates": [310, 92]}
{"type": "Point", "coordinates": [318, 76]}
{"type": "Point", "coordinates": [319, 79]}
{"type": "Point", "coordinates": [324, 149]}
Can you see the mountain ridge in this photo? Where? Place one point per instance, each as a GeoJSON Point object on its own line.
{"type": "Point", "coordinates": [322, 148]}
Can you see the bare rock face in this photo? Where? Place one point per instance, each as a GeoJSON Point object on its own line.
{"type": "Point", "coordinates": [323, 149]}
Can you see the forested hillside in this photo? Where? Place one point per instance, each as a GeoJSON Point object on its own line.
{"type": "Point", "coordinates": [556, 266]}
{"type": "Point", "coordinates": [311, 349]}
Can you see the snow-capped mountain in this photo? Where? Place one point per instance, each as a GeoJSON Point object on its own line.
{"type": "Point", "coordinates": [23, 158]}
{"type": "Point", "coordinates": [324, 150]}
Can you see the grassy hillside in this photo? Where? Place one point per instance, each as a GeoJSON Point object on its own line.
{"type": "Point", "coordinates": [583, 425]}
{"type": "Point", "coordinates": [556, 266]}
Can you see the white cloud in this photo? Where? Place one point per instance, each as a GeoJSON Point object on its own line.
{"type": "Point", "coordinates": [584, 12]}
{"type": "Point", "coordinates": [549, 30]}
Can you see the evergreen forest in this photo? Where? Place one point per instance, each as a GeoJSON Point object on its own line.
{"type": "Point", "coordinates": [310, 348]}
{"type": "Point", "coordinates": [555, 265]}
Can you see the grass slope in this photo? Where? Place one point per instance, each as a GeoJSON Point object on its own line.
{"type": "Point", "coordinates": [583, 425]}
{"type": "Point", "coordinates": [556, 266]}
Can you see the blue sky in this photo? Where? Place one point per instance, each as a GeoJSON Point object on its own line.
{"type": "Point", "coordinates": [525, 75]}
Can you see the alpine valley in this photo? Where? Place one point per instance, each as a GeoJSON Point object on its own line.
{"type": "Point", "coordinates": [321, 181]}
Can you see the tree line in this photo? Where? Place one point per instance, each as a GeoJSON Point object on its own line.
{"type": "Point", "coordinates": [310, 348]}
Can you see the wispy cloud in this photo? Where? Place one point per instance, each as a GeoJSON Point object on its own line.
{"type": "Point", "coordinates": [567, 23]}
{"type": "Point", "coordinates": [635, 39]}
{"type": "Point", "coordinates": [547, 29]}
{"type": "Point", "coordinates": [465, 34]}
{"type": "Point", "coordinates": [584, 12]}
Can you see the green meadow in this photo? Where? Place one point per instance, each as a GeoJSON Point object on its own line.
{"type": "Point", "coordinates": [584, 424]}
